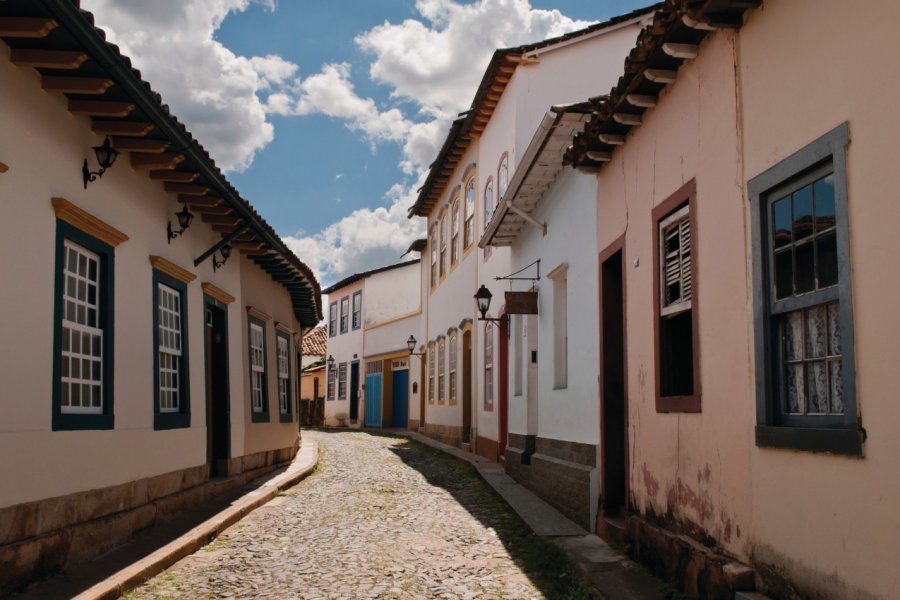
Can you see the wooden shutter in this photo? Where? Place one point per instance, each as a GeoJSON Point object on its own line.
{"type": "Point", "coordinates": [676, 278]}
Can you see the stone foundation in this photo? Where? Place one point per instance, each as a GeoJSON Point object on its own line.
{"type": "Point", "coordinates": [413, 425]}
{"type": "Point", "coordinates": [697, 570]}
{"type": "Point", "coordinates": [448, 434]}
{"type": "Point", "coordinates": [42, 537]}
{"type": "Point", "coordinates": [487, 448]}
{"type": "Point", "coordinates": [558, 471]}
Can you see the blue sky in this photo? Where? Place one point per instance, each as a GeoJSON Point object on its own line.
{"type": "Point", "coordinates": [326, 114]}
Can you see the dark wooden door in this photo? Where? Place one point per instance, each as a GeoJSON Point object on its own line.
{"type": "Point", "coordinates": [217, 427]}
{"type": "Point", "coordinates": [613, 404]}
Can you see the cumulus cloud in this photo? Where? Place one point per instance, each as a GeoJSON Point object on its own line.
{"type": "Point", "coordinates": [216, 93]}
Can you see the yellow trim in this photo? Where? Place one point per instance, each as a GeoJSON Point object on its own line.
{"type": "Point", "coordinates": [86, 222]}
{"type": "Point", "coordinates": [413, 313]}
{"type": "Point", "coordinates": [3, 167]}
{"type": "Point", "coordinates": [258, 314]}
{"type": "Point", "coordinates": [171, 269]}
{"type": "Point", "coordinates": [216, 292]}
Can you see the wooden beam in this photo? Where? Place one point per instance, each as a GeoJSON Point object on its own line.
{"type": "Point", "coordinates": [660, 75]}
{"type": "Point", "coordinates": [241, 245]}
{"type": "Point", "coordinates": [221, 219]}
{"type": "Point", "coordinates": [191, 189]}
{"type": "Point", "coordinates": [507, 69]}
{"type": "Point", "coordinates": [100, 108]}
{"type": "Point", "coordinates": [611, 138]}
{"type": "Point", "coordinates": [200, 200]}
{"type": "Point", "coordinates": [26, 27]}
{"type": "Point", "coordinates": [686, 51]}
{"type": "Point", "coordinates": [75, 85]}
{"type": "Point", "coordinates": [130, 128]}
{"type": "Point", "coordinates": [641, 100]}
{"type": "Point", "coordinates": [182, 176]}
{"type": "Point", "coordinates": [222, 228]}
{"type": "Point", "coordinates": [498, 88]}
{"type": "Point", "coordinates": [49, 59]}
{"type": "Point", "coordinates": [695, 24]}
{"type": "Point", "coordinates": [3, 168]}
{"type": "Point", "coordinates": [139, 144]}
{"type": "Point", "coordinates": [627, 118]}
{"type": "Point", "coordinates": [599, 156]}
{"type": "Point", "coordinates": [145, 161]}
{"type": "Point", "coordinates": [212, 210]}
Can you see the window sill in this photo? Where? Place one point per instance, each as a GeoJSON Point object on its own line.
{"type": "Point", "coordinates": [285, 417]}
{"type": "Point", "coordinates": [678, 404]}
{"type": "Point", "coordinates": [79, 422]}
{"type": "Point", "coordinates": [848, 442]}
{"type": "Point", "coordinates": [259, 417]}
{"type": "Point", "coordinates": [163, 421]}
{"type": "Point", "coordinates": [560, 387]}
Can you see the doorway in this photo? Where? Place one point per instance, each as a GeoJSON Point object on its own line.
{"type": "Point", "coordinates": [467, 387]}
{"type": "Point", "coordinates": [422, 367]}
{"type": "Point", "coordinates": [400, 396]}
{"type": "Point", "coordinates": [354, 391]}
{"type": "Point", "coordinates": [613, 401]}
{"type": "Point", "coordinates": [217, 420]}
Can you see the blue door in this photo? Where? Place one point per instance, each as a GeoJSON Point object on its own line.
{"type": "Point", "coordinates": [400, 401]}
{"type": "Point", "coordinates": [373, 400]}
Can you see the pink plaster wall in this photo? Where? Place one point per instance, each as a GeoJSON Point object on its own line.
{"type": "Point", "coordinates": [832, 524]}
{"type": "Point", "coordinates": [692, 468]}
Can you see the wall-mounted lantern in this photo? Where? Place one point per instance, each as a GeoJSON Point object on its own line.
{"type": "Point", "coordinates": [411, 345]}
{"type": "Point", "coordinates": [330, 362]}
{"type": "Point", "coordinates": [184, 221]}
{"type": "Point", "coordinates": [226, 252]}
{"type": "Point", "coordinates": [106, 156]}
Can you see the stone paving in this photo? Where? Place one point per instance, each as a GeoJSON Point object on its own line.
{"type": "Point", "coordinates": [382, 517]}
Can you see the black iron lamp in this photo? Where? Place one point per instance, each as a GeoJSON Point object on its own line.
{"type": "Point", "coordinates": [225, 251]}
{"type": "Point", "coordinates": [184, 221]}
{"type": "Point", "coordinates": [411, 345]}
{"type": "Point", "coordinates": [483, 302]}
{"type": "Point", "coordinates": [106, 156]}
{"type": "Point", "coordinates": [330, 362]}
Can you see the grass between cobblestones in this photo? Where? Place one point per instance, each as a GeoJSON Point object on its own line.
{"type": "Point", "coordinates": [548, 567]}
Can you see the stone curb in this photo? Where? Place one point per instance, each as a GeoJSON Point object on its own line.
{"type": "Point", "coordinates": [134, 575]}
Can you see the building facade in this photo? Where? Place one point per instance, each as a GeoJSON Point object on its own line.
{"type": "Point", "coordinates": [147, 364]}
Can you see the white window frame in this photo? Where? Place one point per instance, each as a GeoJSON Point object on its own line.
{"type": "Point", "coordinates": [342, 381]}
{"type": "Point", "coordinates": [488, 366]}
{"type": "Point", "coordinates": [442, 356]}
{"type": "Point", "coordinates": [469, 224]}
{"type": "Point", "coordinates": [332, 319]}
{"type": "Point", "coordinates": [170, 333]}
{"type": "Point", "coordinates": [356, 310]}
{"type": "Point", "coordinates": [284, 373]}
{"type": "Point", "coordinates": [431, 371]}
{"type": "Point", "coordinates": [257, 368]}
{"type": "Point", "coordinates": [345, 314]}
{"type": "Point", "coordinates": [77, 305]}
{"type": "Point", "coordinates": [452, 369]}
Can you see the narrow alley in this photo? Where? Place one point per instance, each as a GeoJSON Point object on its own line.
{"type": "Point", "coordinates": [381, 517]}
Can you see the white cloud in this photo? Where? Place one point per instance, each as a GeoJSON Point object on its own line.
{"type": "Point", "coordinates": [215, 92]}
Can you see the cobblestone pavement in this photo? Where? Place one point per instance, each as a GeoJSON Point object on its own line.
{"type": "Point", "coordinates": [382, 517]}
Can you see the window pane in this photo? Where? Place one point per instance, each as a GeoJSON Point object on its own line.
{"type": "Point", "coordinates": [824, 190]}
{"type": "Point", "coordinates": [815, 332]}
{"type": "Point", "coordinates": [805, 273]}
{"type": "Point", "coordinates": [834, 329]}
{"type": "Point", "coordinates": [795, 399]}
{"type": "Point", "coordinates": [836, 382]}
{"type": "Point", "coordinates": [827, 259]}
{"type": "Point", "coordinates": [781, 216]}
{"type": "Point", "coordinates": [816, 387]}
{"type": "Point", "coordinates": [793, 335]}
{"type": "Point", "coordinates": [803, 224]}
{"type": "Point", "coordinates": [784, 274]}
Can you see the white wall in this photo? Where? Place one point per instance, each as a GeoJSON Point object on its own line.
{"type": "Point", "coordinates": [345, 348]}
{"type": "Point", "coordinates": [390, 294]}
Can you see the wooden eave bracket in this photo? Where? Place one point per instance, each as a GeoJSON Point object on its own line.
{"type": "Point", "coordinates": [526, 217]}
{"type": "Point", "coordinates": [3, 167]}
{"type": "Point", "coordinates": [26, 27]}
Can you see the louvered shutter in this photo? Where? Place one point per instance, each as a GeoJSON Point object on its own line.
{"type": "Point", "coordinates": [675, 263]}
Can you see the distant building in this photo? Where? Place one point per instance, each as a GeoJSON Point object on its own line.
{"type": "Point", "coordinates": [312, 375]}
{"type": "Point", "coordinates": [370, 318]}
{"type": "Point", "coordinates": [138, 366]}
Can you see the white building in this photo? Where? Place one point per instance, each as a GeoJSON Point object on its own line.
{"type": "Point", "coordinates": [371, 316]}
{"type": "Point", "coordinates": [467, 397]}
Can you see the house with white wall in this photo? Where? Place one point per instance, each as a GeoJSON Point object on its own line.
{"type": "Point", "coordinates": [158, 314]}
{"type": "Point", "coordinates": [467, 395]}
{"type": "Point", "coordinates": [548, 225]}
{"type": "Point", "coordinates": [371, 316]}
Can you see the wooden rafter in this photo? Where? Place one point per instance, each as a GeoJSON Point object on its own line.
{"type": "Point", "coordinates": [199, 201]}
{"type": "Point", "coordinates": [145, 161]}
{"type": "Point", "coordinates": [231, 220]}
{"type": "Point", "coordinates": [129, 128]}
{"type": "Point", "coordinates": [48, 59]}
{"type": "Point", "coordinates": [26, 27]}
{"type": "Point", "coordinates": [100, 108]}
{"type": "Point", "coordinates": [190, 189]}
{"type": "Point", "coordinates": [75, 85]}
{"type": "Point", "coordinates": [169, 175]}
{"type": "Point", "coordinates": [213, 210]}
{"type": "Point", "coordinates": [139, 144]}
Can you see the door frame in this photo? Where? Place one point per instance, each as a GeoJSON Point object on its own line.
{"type": "Point", "coordinates": [354, 391]}
{"type": "Point", "coordinates": [467, 386]}
{"type": "Point", "coordinates": [210, 302]}
{"type": "Point", "coordinates": [617, 246]}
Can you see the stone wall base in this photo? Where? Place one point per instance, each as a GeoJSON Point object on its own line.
{"type": "Point", "coordinates": [40, 538]}
{"type": "Point", "coordinates": [413, 425]}
{"type": "Point", "coordinates": [448, 434]}
{"type": "Point", "coordinates": [487, 448]}
{"type": "Point", "coordinates": [695, 569]}
{"type": "Point", "coordinates": [558, 471]}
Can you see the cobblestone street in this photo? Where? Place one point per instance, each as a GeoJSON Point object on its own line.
{"type": "Point", "coordinates": [382, 517]}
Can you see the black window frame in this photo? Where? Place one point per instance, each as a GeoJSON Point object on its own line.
{"type": "Point", "coordinates": [814, 433]}
{"type": "Point", "coordinates": [182, 418]}
{"type": "Point", "coordinates": [261, 416]}
{"type": "Point", "coordinates": [72, 421]}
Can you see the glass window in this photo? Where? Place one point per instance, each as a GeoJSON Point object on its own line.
{"type": "Point", "coordinates": [454, 233]}
{"type": "Point", "coordinates": [441, 370]}
{"type": "Point", "coordinates": [453, 369]}
{"type": "Point", "coordinates": [257, 367]}
{"type": "Point", "coordinates": [357, 310]}
{"type": "Point", "coordinates": [431, 374]}
{"type": "Point", "coordinates": [444, 245]}
{"type": "Point", "coordinates": [502, 177]}
{"type": "Point", "coordinates": [345, 314]}
{"type": "Point", "coordinates": [488, 367]}
{"type": "Point", "coordinates": [469, 234]}
{"type": "Point", "coordinates": [342, 382]}
{"type": "Point", "coordinates": [332, 319]}
{"type": "Point", "coordinates": [284, 375]}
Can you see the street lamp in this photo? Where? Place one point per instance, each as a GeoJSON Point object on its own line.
{"type": "Point", "coordinates": [411, 345]}
{"type": "Point", "coordinates": [106, 156]}
{"type": "Point", "coordinates": [483, 301]}
{"type": "Point", "coordinates": [184, 221]}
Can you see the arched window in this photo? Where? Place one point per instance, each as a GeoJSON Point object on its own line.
{"type": "Point", "coordinates": [454, 232]}
{"type": "Point", "coordinates": [444, 244]}
{"type": "Point", "coordinates": [488, 201]}
{"type": "Point", "coordinates": [434, 250]}
{"type": "Point", "coordinates": [469, 233]}
{"type": "Point", "coordinates": [502, 177]}
{"type": "Point", "coordinates": [488, 367]}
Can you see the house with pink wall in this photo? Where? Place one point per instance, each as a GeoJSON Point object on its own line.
{"type": "Point", "coordinates": [744, 386]}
